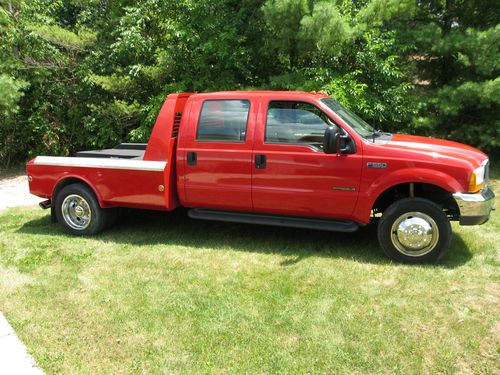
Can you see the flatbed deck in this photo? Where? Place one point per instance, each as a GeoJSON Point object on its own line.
{"type": "Point", "coordinates": [122, 151]}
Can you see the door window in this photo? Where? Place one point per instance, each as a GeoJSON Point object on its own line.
{"type": "Point", "coordinates": [299, 123]}
{"type": "Point", "coordinates": [223, 121]}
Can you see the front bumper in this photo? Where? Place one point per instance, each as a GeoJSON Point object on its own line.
{"type": "Point", "coordinates": [475, 208]}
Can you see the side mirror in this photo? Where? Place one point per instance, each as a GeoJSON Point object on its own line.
{"type": "Point", "coordinates": [334, 142]}
{"type": "Point", "coordinates": [331, 140]}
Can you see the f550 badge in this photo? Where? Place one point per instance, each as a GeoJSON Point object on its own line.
{"type": "Point", "coordinates": [372, 164]}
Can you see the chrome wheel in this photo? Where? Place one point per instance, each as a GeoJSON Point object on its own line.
{"type": "Point", "coordinates": [76, 212]}
{"type": "Point", "coordinates": [414, 234]}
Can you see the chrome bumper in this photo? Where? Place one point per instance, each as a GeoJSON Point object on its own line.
{"type": "Point", "coordinates": [475, 208]}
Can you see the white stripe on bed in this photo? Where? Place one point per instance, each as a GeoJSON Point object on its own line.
{"type": "Point", "coordinates": [107, 163]}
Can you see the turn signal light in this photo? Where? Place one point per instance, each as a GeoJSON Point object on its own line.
{"type": "Point", "coordinates": [476, 180]}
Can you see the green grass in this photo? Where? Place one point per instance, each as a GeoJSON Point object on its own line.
{"type": "Point", "coordinates": [160, 293]}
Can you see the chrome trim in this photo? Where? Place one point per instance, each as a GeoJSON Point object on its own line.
{"type": "Point", "coordinates": [414, 234]}
{"type": "Point", "coordinates": [476, 204]}
{"type": "Point", "coordinates": [376, 164]}
{"type": "Point", "coordinates": [341, 188]}
{"type": "Point", "coordinates": [76, 212]}
{"type": "Point", "coordinates": [106, 163]}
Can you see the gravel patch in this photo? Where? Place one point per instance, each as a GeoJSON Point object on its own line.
{"type": "Point", "coordinates": [14, 192]}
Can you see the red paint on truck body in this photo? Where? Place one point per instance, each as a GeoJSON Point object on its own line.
{"type": "Point", "coordinates": [298, 180]}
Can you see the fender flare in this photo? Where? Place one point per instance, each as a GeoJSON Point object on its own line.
{"type": "Point", "coordinates": [370, 195]}
{"type": "Point", "coordinates": [82, 179]}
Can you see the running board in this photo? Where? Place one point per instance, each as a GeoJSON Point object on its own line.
{"type": "Point", "coordinates": [280, 221]}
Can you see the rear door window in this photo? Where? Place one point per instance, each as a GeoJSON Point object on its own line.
{"type": "Point", "coordinates": [223, 121]}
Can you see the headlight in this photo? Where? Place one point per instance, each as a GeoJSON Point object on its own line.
{"type": "Point", "coordinates": [476, 180]}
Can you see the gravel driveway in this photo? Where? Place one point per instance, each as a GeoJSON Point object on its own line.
{"type": "Point", "coordinates": [14, 192]}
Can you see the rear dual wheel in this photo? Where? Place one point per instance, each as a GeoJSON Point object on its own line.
{"type": "Point", "coordinates": [78, 211]}
{"type": "Point", "coordinates": [414, 230]}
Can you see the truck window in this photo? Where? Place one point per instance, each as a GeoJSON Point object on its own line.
{"type": "Point", "coordinates": [223, 121]}
{"type": "Point", "coordinates": [292, 122]}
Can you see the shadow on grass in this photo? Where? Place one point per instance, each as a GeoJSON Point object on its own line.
{"type": "Point", "coordinates": [143, 228]}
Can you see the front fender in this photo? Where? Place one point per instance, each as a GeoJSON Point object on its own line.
{"type": "Point", "coordinates": [371, 190]}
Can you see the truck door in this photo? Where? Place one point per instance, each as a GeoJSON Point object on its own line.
{"type": "Point", "coordinates": [216, 152]}
{"type": "Point", "coordinates": [291, 173]}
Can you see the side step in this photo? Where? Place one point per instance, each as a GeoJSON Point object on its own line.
{"type": "Point", "coordinates": [280, 221]}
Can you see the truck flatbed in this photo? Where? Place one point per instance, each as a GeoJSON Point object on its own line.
{"type": "Point", "coordinates": [122, 151]}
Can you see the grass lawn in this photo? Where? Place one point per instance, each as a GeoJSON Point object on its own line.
{"type": "Point", "coordinates": [160, 293]}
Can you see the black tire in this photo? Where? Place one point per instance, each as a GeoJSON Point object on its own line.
{"type": "Point", "coordinates": [402, 224]}
{"type": "Point", "coordinates": [77, 199]}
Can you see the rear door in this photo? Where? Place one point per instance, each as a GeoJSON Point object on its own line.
{"type": "Point", "coordinates": [217, 153]}
{"type": "Point", "coordinates": [291, 173]}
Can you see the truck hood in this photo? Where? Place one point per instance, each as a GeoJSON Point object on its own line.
{"type": "Point", "coordinates": [435, 146]}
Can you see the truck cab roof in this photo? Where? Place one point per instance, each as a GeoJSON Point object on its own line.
{"type": "Point", "coordinates": [261, 93]}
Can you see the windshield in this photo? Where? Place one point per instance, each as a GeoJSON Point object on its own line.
{"type": "Point", "coordinates": [359, 125]}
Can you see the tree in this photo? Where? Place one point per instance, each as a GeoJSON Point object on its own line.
{"type": "Point", "coordinates": [78, 74]}
{"type": "Point", "coordinates": [457, 60]}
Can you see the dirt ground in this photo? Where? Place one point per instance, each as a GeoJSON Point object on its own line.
{"type": "Point", "coordinates": [14, 192]}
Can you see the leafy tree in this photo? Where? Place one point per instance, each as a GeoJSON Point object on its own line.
{"type": "Point", "coordinates": [357, 62]}
{"type": "Point", "coordinates": [78, 74]}
{"type": "Point", "coordinates": [457, 66]}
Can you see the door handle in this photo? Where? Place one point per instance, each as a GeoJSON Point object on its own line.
{"type": "Point", "coordinates": [191, 158]}
{"type": "Point", "coordinates": [260, 161]}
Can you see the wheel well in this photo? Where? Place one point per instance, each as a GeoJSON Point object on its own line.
{"type": "Point", "coordinates": [69, 181]}
{"type": "Point", "coordinates": [436, 194]}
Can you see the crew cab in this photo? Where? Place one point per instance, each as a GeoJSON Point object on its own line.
{"type": "Point", "coordinates": [297, 159]}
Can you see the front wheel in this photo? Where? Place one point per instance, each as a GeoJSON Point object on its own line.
{"type": "Point", "coordinates": [414, 230]}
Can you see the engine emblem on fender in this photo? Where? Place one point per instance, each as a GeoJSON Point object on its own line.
{"type": "Point", "coordinates": [372, 164]}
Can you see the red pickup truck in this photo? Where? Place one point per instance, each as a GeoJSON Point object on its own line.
{"type": "Point", "coordinates": [295, 159]}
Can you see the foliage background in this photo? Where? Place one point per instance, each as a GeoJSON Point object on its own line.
{"type": "Point", "coordinates": [80, 74]}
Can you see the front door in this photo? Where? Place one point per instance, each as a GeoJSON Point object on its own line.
{"type": "Point", "coordinates": [292, 174]}
{"type": "Point", "coordinates": [217, 154]}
